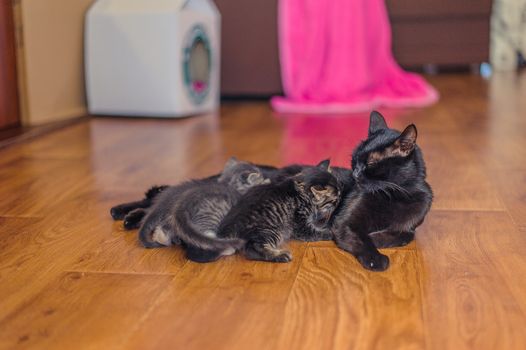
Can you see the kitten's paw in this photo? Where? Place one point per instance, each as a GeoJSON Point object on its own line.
{"type": "Point", "coordinates": [131, 224]}
{"type": "Point", "coordinates": [116, 213]}
{"type": "Point", "coordinates": [283, 257]}
{"type": "Point", "coordinates": [374, 262]}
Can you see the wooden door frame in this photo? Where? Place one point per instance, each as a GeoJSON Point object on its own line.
{"type": "Point", "coordinates": [9, 107]}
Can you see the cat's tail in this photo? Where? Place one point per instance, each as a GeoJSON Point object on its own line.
{"type": "Point", "coordinates": [207, 240]}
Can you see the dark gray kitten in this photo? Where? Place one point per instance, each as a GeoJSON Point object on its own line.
{"type": "Point", "coordinates": [266, 217]}
{"type": "Point", "coordinates": [190, 213]}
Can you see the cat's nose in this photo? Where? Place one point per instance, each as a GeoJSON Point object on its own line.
{"type": "Point", "coordinates": [357, 174]}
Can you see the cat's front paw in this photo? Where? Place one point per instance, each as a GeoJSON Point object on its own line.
{"type": "Point", "coordinates": [374, 261]}
{"type": "Point", "coordinates": [283, 257]}
{"type": "Point", "coordinates": [130, 224]}
{"type": "Point", "coordinates": [116, 213]}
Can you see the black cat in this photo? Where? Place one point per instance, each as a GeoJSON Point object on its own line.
{"type": "Point", "coordinates": [388, 197]}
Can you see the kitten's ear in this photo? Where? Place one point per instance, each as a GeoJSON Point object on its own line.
{"type": "Point", "coordinates": [376, 122]}
{"type": "Point", "coordinates": [229, 165]}
{"type": "Point", "coordinates": [299, 182]}
{"type": "Point", "coordinates": [325, 165]}
{"type": "Point", "coordinates": [231, 162]}
{"type": "Point", "coordinates": [406, 142]}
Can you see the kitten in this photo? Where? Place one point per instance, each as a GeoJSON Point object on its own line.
{"type": "Point", "coordinates": [135, 215]}
{"type": "Point", "coordinates": [119, 212]}
{"type": "Point", "coordinates": [132, 213]}
{"type": "Point", "coordinates": [389, 196]}
{"type": "Point", "coordinates": [266, 217]}
{"type": "Point", "coordinates": [191, 212]}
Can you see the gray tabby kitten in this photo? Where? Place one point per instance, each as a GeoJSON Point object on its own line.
{"type": "Point", "coordinates": [266, 217]}
{"type": "Point", "coordinates": [190, 213]}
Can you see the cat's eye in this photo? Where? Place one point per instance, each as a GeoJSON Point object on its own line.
{"type": "Point", "coordinates": [371, 163]}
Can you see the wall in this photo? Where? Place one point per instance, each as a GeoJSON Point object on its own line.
{"type": "Point", "coordinates": [50, 59]}
{"type": "Point", "coordinates": [8, 85]}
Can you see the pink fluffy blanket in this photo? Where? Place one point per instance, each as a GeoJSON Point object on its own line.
{"type": "Point", "coordinates": [336, 58]}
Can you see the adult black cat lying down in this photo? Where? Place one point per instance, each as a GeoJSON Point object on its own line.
{"type": "Point", "coordinates": [384, 198]}
{"type": "Point", "coordinates": [389, 197]}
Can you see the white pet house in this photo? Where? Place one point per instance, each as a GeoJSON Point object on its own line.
{"type": "Point", "coordinates": [156, 58]}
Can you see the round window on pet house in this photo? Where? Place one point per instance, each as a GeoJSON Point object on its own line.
{"type": "Point", "coordinates": [197, 64]}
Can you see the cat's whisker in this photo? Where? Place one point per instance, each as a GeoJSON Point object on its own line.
{"type": "Point", "coordinates": [386, 192]}
{"type": "Point", "coordinates": [397, 188]}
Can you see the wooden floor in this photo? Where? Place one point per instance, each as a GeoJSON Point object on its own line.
{"type": "Point", "coordinates": [71, 278]}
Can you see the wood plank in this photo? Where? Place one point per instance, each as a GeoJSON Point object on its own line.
{"type": "Point", "coordinates": [331, 244]}
{"type": "Point", "coordinates": [473, 294]}
{"type": "Point", "coordinates": [173, 152]}
{"type": "Point", "coordinates": [86, 310]}
{"type": "Point", "coordinates": [459, 179]}
{"type": "Point", "coordinates": [336, 304]}
{"type": "Point", "coordinates": [38, 251]}
{"type": "Point", "coordinates": [231, 304]}
{"type": "Point", "coordinates": [32, 187]}
{"type": "Point", "coordinates": [511, 183]}
{"type": "Point", "coordinates": [121, 251]}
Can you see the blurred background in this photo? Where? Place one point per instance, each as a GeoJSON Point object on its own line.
{"type": "Point", "coordinates": [42, 49]}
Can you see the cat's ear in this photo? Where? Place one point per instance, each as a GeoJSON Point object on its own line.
{"type": "Point", "coordinates": [299, 182]}
{"type": "Point", "coordinates": [401, 147]}
{"type": "Point", "coordinates": [230, 163]}
{"type": "Point", "coordinates": [406, 142]}
{"type": "Point", "coordinates": [325, 165]}
{"type": "Point", "coordinates": [376, 122]}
